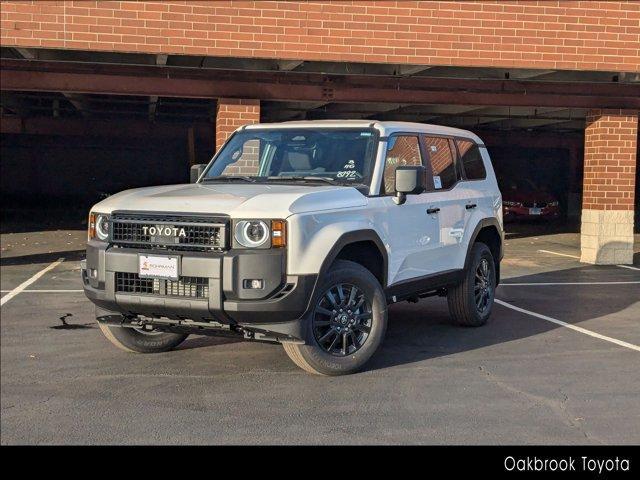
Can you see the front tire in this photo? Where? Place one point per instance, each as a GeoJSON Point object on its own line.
{"type": "Point", "coordinates": [346, 325]}
{"type": "Point", "coordinates": [137, 341]}
{"type": "Point", "coordinates": [470, 301]}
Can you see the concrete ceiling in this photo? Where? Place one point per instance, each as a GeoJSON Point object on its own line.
{"type": "Point", "coordinates": [345, 68]}
{"type": "Point", "coordinates": [461, 116]}
{"type": "Point", "coordinates": [464, 116]}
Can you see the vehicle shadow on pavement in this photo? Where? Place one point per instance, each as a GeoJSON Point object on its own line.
{"type": "Point", "coordinates": [207, 341]}
{"type": "Point", "coordinates": [421, 331]}
{"type": "Point", "coordinates": [36, 258]}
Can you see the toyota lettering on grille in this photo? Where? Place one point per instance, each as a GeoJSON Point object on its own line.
{"type": "Point", "coordinates": [164, 231]}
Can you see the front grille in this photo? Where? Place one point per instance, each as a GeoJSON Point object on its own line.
{"type": "Point", "coordinates": [173, 232]}
{"type": "Point", "coordinates": [192, 287]}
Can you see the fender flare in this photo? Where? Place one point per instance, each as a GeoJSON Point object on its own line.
{"type": "Point", "coordinates": [483, 223]}
{"type": "Point", "coordinates": [344, 240]}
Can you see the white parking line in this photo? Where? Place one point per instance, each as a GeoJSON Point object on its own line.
{"type": "Point", "coordinates": [559, 254]}
{"type": "Point", "coordinates": [577, 257]}
{"type": "Point", "coordinates": [568, 325]}
{"type": "Point", "coordinates": [628, 266]}
{"type": "Point", "coordinates": [20, 288]}
{"type": "Point", "coordinates": [564, 283]}
{"type": "Point", "coordinates": [48, 291]}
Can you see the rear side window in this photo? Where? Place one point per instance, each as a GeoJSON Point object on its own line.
{"type": "Point", "coordinates": [442, 162]}
{"type": "Point", "coordinates": [401, 150]}
{"type": "Point", "coordinates": [471, 160]}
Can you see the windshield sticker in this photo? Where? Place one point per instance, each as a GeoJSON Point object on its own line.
{"type": "Point", "coordinates": [346, 174]}
{"type": "Point", "coordinates": [351, 164]}
{"type": "Point", "coordinates": [437, 183]}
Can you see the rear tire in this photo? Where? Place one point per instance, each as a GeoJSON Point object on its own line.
{"type": "Point", "coordinates": [136, 341]}
{"type": "Point", "coordinates": [470, 301]}
{"type": "Point", "coordinates": [346, 325]}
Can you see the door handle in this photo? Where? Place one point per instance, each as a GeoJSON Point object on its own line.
{"type": "Point", "coordinates": [470, 206]}
{"type": "Point", "coordinates": [432, 210]}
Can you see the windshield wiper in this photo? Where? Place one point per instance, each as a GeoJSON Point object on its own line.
{"type": "Point", "coordinates": [305, 179]}
{"type": "Point", "coordinates": [230, 178]}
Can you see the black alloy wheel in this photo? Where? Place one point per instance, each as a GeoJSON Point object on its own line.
{"type": "Point", "coordinates": [342, 320]}
{"type": "Point", "coordinates": [483, 286]}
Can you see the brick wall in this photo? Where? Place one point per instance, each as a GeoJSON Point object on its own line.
{"type": "Point", "coordinates": [233, 113]}
{"type": "Point", "coordinates": [441, 157]}
{"type": "Point", "coordinates": [532, 34]}
{"type": "Point", "coordinates": [610, 145]}
{"type": "Point", "coordinates": [405, 151]}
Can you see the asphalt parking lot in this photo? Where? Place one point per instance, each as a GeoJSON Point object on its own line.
{"type": "Point", "coordinates": [558, 363]}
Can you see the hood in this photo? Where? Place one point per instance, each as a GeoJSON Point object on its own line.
{"type": "Point", "coordinates": [239, 200]}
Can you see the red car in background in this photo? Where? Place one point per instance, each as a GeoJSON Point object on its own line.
{"type": "Point", "coordinates": [522, 199]}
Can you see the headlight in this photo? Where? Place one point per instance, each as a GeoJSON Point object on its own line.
{"type": "Point", "coordinates": [552, 204]}
{"type": "Point", "coordinates": [511, 204]}
{"type": "Point", "coordinates": [99, 226]}
{"type": "Point", "coordinates": [252, 233]}
{"type": "Point", "coordinates": [260, 233]}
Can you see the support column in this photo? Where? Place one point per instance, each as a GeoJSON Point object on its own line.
{"type": "Point", "coordinates": [232, 113]}
{"type": "Point", "coordinates": [610, 144]}
{"type": "Point", "coordinates": [574, 197]}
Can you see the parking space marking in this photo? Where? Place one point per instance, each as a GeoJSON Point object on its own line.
{"type": "Point", "coordinates": [568, 325]}
{"type": "Point", "coordinates": [23, 286]}
{"type": "Point", "coordinates": [629, 267]}
{"type": "Point", "coordinates": [564, 283]}
{"type": "Point", "coordinates": [559, 254]}
{"type": "Point", "coordinates": [51, 291]}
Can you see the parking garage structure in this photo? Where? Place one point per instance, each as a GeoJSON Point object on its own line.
{"type": "Point", "coordinates": [102, 96]}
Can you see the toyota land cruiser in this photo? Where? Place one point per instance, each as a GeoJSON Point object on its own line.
{"type": "Point", "coordinates": [301, 233]}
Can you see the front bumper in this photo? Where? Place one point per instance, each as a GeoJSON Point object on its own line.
{"type": "Point", "coordinates": [273, 312]}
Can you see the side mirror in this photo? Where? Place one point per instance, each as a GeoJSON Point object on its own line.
{"type": "Point", "coordinates": [410, 180]}
{"type": "Point", "coordinates": [196, 171]}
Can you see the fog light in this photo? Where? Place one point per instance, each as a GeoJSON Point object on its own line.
{"type": "Point", "coordinates": [254, 284]}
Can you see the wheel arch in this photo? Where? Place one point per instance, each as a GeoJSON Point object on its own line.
{"type": "Point", "coordinates": [489, 232]}
{"type": "Point", "coordinates": [363, 247]}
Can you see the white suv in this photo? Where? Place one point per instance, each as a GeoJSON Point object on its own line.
{"type": "Point", "coordinates": [301, 233]}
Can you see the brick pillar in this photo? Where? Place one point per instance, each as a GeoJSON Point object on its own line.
{"type": "Point", "coordinates": [233, 113]}
{"type": "Point", "coordinates": [610, 144]}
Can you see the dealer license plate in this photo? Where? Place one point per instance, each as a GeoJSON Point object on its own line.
{"type": "Point", "coordinates": [156, 266]}
{"type": "Point", "coordinates": [535, 211]}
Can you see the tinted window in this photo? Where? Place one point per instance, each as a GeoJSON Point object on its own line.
{"type": "Point", "coordinates": [442, 162]}
{"type": "Point", "coordinates": [471, 160]}
{"type": "Point", "coordinates": [401, 150]}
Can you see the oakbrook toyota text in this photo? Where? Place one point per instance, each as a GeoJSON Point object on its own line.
{"type": "Point", "coordinates": [569, 464]}
{"type": "Point", "coordinates": [301, 233]}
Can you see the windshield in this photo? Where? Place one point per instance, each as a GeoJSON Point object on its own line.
{"type": "Point", "coordinates": [340, 156]}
